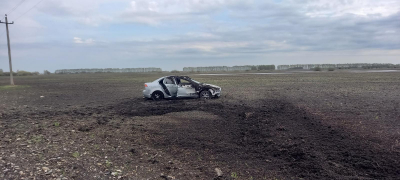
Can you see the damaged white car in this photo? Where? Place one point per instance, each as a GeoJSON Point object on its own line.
{"type": "Point", "coordinates": [179, 87]}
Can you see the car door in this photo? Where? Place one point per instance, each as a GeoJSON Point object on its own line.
{"type": "Point", "coordinates": [185, 89]}
{"type": "Point", "coordinates": [171, 86]}
{"type": "Point", "coordinates": [182, 91]}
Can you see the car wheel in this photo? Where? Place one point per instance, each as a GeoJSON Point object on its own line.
{"type": "Point", "coordinates": [156, 96]}
{"type": "Point", "coordinates": [205, 94]}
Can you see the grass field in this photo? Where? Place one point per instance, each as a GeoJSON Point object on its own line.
{"type": "Point", "coordinates": [315, 125]}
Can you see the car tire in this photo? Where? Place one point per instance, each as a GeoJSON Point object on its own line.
{"type": "Point", "coordinates": [157, 96]}
{"type": "Point", "coordinates": [205, 94]}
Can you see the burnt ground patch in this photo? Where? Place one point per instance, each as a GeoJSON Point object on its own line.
{"type": "Point", "coordinates": [152, 108]}
{"type": "Point", "coordinates": [277, 139]}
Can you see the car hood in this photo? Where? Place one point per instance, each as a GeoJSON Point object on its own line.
{"type": "Point", "coordinates": [211, 86]}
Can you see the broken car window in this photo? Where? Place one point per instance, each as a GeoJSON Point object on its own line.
{"type": "Point", "coordinates": [182, 81]}
{"type": "Point", "coordinates": [169, 81]}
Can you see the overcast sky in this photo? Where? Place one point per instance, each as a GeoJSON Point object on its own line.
{"type": "Point", "coordinates": [172, 34]}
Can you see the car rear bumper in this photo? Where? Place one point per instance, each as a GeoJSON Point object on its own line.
{"type": "Point", "coordinates": [146, 94]}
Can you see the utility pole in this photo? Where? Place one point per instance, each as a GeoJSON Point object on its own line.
{"type": "Point", "coordinates": [9, 50]}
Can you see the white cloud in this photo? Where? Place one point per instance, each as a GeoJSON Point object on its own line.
{"type": "Point", "coordinates": [78, 40]}
{"type": "Point", "coordinates": [329, 8]}
{"type": "Point", "coordinates": [158, 11]}
{"type": "Point", "coordinates": [202, 35]}
{"type": "Point", "coordinates": [96, 20]}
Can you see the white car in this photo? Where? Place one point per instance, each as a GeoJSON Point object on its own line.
{"type": "Point", "coordinates": [179, 87]}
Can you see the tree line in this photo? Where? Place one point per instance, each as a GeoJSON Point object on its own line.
{"type": "Point", "coordinates": [23, 73]}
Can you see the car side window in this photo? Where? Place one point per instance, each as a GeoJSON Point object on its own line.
{"type": "Point", "coordinates": [184, 82]}
{"type": "Point", "coordinates": [169, 81]}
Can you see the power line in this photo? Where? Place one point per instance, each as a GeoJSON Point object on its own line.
{"type": "Point", "coordinates": [15, 7]}
{"type": "Point", "coordinates": [29, 10]}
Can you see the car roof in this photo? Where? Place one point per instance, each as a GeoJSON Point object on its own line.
{"type": "Point", "coordinates": [181, 77]}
